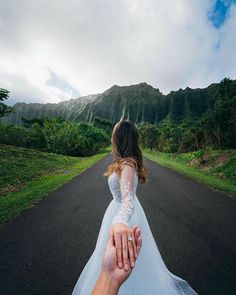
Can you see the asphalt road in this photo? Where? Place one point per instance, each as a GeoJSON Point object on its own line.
{"type": "Point", "coordinates": [44, 250]}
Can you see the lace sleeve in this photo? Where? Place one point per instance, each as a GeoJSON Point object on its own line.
{"type": "Point", "coordinates": [127, 196]}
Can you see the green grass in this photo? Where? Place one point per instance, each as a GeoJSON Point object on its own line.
{"type": "Point", "coordinates": [209, 169]}
{"type": "Point", "coordinates": [28, 175]}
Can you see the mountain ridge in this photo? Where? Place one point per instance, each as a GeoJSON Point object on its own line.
{"type": "Point", "coordinates": [137, 102]}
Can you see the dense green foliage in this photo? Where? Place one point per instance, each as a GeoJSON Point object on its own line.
{"type": "Point", "coordinates": [55, 135]}
{"type": "Point", "coordinates": [4, 109]}
{"type": "Point", "coordinates": [105, 124]}
{"type": "Point", "coordinates": [216, 128]}
{"type": "Point", "coordinates": [184, 120]}
{"type": "Point", "coordinates": [219, 124]}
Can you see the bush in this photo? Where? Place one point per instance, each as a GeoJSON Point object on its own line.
{"type": "Point", "coordinates": [57, 136]}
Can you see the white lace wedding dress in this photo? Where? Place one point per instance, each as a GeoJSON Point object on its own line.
{"type": "Point", "coordinates": [150, 275]}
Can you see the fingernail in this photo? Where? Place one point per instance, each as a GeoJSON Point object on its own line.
{"type": "Point", "coordinates": [132, 263]}
{"type": "Point", "coordinates": [120, 264]}
{"type": "Point", "coordinates": [126, 266]}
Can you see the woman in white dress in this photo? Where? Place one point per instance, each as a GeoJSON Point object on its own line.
{"type": "Point", "coordinates": [150, 274]}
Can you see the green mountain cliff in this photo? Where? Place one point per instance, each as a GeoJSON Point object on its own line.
{"type": "Point", "coordinates": [139, 103]}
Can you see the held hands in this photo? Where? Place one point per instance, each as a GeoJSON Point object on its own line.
{"type": "Point", "coordinates": [109, 264]}
{"type": "Point", "coordinates": [126, 250]}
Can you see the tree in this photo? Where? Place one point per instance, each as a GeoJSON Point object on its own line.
{"type": "Point", "coordinates": [149, 134]}
{"type": "Point", "coordinates": [102, 123]}
{"type": "Point", "coordinates": [219, 124]}
{"type": "Point", "coordinates": [4, 109]}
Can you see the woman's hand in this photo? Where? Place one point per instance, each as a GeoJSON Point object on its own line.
{"type": "Point", "coordinates": [126, 250]}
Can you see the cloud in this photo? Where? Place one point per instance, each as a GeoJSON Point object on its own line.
{"type": "Point", "coordinates": [91, 45]}
{"type": "Point", "coordinates": [58, 83]}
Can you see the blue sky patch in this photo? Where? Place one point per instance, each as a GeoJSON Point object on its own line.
{"type": "Point", "coordinates": [62, 84]}
{"type": "Point", "coordinates": [218, 14]}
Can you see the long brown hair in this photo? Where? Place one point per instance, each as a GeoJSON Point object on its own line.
{"type": "Point", "coordinates": [126, 148]}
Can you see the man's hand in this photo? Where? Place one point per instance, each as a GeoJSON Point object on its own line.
{"type": "Point", "coordinates": [111, 277]}
{"type": "Point", "coordinates": [109, 263]}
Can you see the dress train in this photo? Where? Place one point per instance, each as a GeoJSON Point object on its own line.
{"type": "Point", "coordinates": [150, 275]}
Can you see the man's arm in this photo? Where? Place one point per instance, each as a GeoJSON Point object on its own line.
{"type": "Point", "coordinates": [111, 276]}
{"type": "Point", "coordinates": [105, 285]}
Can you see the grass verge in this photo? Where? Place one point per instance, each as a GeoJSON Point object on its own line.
{"type": "Point", "coordinates": [214, 168]}
{"type": "Point", "coordinates": [31, 175]}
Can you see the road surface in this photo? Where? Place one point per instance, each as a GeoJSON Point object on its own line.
{"type": "Point", "coordinates": [44, 250]}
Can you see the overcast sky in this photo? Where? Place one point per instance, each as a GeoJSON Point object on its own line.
{"type": "Point", "coordinates": [54, 50]}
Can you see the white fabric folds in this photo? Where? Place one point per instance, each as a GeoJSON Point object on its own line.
{"type": "Point", "coordinates": [150, 275]}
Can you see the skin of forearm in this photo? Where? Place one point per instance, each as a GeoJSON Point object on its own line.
{"type": "Point", "coordinates": [105, 285]}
